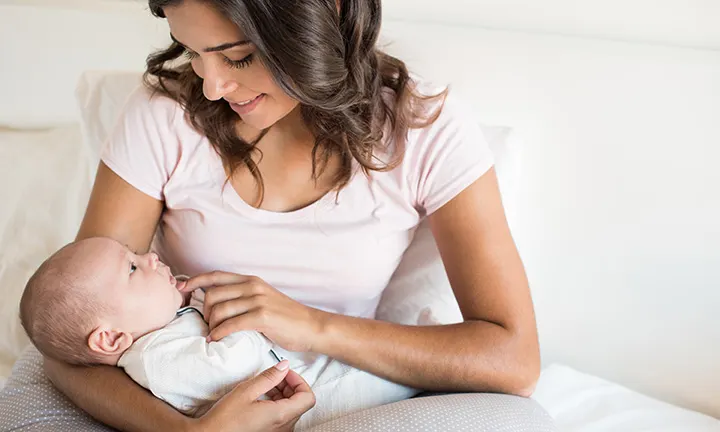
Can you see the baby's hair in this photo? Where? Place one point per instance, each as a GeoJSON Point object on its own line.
{"type": "Point", "coordinates": [57, 312]}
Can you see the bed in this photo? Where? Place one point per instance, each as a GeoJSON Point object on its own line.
{"type": "Point", "coordinates": [607, 155]}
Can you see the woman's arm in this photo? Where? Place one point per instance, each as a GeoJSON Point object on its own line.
{"type": "Point", "coordinates": [495, 349]}
{"type": "Point", "coordinates": [121, 212]}
{"type": "Point", "coordinates": [116, 400]}
{"type": "Point", "coordinates": [109, 396]}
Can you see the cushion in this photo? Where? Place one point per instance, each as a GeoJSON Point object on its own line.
{"type": "Point", "coordinates": [46, 182]}
{"type": "Point", "coordinates": [29, 402]}
{"type": "Point", "coordinates": [101, 97]}
{"type": "Point", "coordinates": [455, 412]}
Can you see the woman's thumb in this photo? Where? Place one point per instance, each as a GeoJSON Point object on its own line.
{"type": "Point", "coordinates": [267, 380]}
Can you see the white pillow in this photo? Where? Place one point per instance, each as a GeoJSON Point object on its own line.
{"type": "Point", "coordinates": [47, 178]}
{"type": "Point", "coordinates": [419, 292]}
{"type": "Point", "coordinates": [101, 97]}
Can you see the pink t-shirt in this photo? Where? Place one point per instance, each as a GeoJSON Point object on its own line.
{"type": "Point", "coordinates": [335, 255]}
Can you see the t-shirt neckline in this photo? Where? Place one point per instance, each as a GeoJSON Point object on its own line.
{"type": "Point", "coordinates": [231, 196]}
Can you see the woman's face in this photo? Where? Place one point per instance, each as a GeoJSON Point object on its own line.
{"type": "Point", "coordinates": [228, 64]}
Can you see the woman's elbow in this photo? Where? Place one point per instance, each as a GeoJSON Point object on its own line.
{"type": "Point", "coordinates": [526, 370]}
{"type": "Point", "coordinates": [516, 367]}
{"type": "Point", "coordinates": [525, 387]}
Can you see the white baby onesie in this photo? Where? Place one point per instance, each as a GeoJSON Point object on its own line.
{"type": "Point", "coordinates": [179, 366]}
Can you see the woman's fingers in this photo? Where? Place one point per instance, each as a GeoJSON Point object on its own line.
{"type": "Point", "coordinates": [216, 278]}
{"type": "Point", "coordinates": [217, 313]}
{"type": "Point", "coordinates": [281, 387]}
{"type": "Point", "coordinates": [224, 293]}
{"type": "Point", "coordinates": [301, 398]}
{"type": "Point", "coordinates": [263, 383]}
{"type": "Point", "coordinates": [297, 383]}
{"type": "Point", "coordinates": [274, 394]}
{"type": "Point", "coordinates": [251, 320]}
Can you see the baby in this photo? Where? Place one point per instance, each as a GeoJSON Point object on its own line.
{"type": "Point", "coordinates": [96, 302]}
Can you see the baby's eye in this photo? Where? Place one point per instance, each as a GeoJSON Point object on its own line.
{"type": "Point", "coordinates": [133, 267]}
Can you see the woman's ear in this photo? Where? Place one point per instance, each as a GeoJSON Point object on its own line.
{"type": "Point", "coordinates": [109, 342]}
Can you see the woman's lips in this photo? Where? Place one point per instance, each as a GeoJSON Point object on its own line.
{"type": "Point", "coordinates": [247, 107]}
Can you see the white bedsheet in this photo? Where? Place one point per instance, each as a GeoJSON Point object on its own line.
{"type": "Point", "coordinates": [581, 402]}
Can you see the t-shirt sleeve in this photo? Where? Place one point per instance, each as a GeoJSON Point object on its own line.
{"type": "Point", "coordinates": [446, 157]}
{"type": "Point", "coordinates": [143, 147]}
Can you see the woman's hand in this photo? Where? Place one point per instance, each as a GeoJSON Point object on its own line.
{"type": "Point", "coordinates": [241, 411]}
{"type": "Point", "coordinates": [235, 303]}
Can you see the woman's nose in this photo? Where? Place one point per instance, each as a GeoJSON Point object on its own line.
{"type": "Point", "coordinates": [153, 260]}
{"type": "Point", "coordinates": [218, 82]}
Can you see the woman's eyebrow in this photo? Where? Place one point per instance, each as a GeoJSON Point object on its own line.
{"type": "Point", "coordinates": [218, 48]}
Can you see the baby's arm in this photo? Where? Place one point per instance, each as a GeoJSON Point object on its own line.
{"type": "Point", "coordinates": [179, 366]}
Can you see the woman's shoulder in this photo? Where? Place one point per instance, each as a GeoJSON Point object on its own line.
{"type": "Point", "coordinates": [443, 104]}
{"type": "Point", "coordinates": [445, 118]}
{"type": "Point", "coordinates": [447, 153]}
{"type": "Point", "coordinates": [146, 103]}
{"type": "Point", "coordinates": [148, 141]}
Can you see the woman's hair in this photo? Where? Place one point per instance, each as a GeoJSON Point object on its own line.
{"type": "Point", "coordinates": [328, 62]}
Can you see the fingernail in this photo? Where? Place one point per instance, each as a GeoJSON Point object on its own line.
{"type": "Point", "coordinates": [209, 338]}
{"type": "Point", "coordinates": [283, 365]}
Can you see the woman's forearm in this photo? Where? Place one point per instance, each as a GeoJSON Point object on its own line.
{"type": "Point", "coordinates": [111, 397]}
{"type": "Point", "coordinates": [472, 356]}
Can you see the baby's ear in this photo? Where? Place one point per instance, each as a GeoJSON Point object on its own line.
{"type": "Point", "coordinates": [109, 342]}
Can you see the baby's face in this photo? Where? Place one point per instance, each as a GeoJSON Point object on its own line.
{"type": "Point", "coordinates": [148, 290]}
{"type": "Point", "coordinates": [139, 288]}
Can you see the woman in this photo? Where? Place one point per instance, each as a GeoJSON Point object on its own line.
{"type": "Point", "coordinates": [291, 156]}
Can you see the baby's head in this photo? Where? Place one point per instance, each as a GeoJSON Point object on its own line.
{"type": "Point", "coordinates": [92, 299]}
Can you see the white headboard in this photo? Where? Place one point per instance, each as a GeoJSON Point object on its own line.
{"type": "Point", "coordinates": [70, 36]}
{"type": "Point", "coordinates": [617, 211]}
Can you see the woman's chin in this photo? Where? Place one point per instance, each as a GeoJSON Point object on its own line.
{"type": "Point", "coordinates": [257, 121]}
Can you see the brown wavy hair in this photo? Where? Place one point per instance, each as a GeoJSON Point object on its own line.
{"type": "Point", "coordinates": [326, 60]}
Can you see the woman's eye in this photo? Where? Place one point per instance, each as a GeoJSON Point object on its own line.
{"type": "Point", "coordinates": [190, 55]}
{"type": "Point", "coordinates": [133, 267]}
{"type": "Point", "coordinates": [239, 64]}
